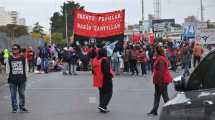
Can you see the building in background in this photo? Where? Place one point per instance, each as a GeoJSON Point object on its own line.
{"type": "Point", "coordinates": [21, 21]}
{"type": "Point", "coordinates": [13, 17]}
{"type": "Point", "coordinates": [10, 17]}
{"type": "Point", "coordinates": [5, 17]}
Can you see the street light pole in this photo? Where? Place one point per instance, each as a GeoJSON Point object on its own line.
{"type": "Point", "coordinates": [202, 11]}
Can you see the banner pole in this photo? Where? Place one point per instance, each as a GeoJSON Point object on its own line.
{"type": "Point", "coordinates": [67, 41]}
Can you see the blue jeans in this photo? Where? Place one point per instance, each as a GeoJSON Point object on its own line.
{"type": "Point", "coordinates": [13, 91]}
{"type": "Point", "coordinates": [44, 64]}
{"type": "Point", "coordinates": [116, 68]}
{"type": "Point", "coordinates": [143, 68]}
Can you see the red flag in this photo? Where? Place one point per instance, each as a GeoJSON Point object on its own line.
{"type": "Point", "coordinates": [136, 37]}
{"type": "Point", "coordinates": [151, 38]}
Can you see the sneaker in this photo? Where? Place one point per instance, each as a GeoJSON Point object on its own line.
{"type": "Point", "coordinates": [103, 110]}
{"type": "Point", "coordinates": [64, 73]}
{"type": "Point", "coordinates": [23, 110]}
{"type": "Point", "coordinates": [152, 114]}
{"type": "Point", "coordinates": [14, 111]}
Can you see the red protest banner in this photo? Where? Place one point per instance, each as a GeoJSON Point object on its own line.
{"type": "Point", "coordinates": [99, 25]}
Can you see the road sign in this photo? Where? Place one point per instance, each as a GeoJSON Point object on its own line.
{"type": "Point", "coordinates": [206, 36]}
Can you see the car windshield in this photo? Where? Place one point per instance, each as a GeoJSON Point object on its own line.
{"type": "Point", "coordinates": [203, 76]}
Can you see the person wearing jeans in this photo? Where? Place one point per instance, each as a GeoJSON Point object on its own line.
{"type": "Point", "coordinates": [45, 62]}
{"type": "Point", "coordinates": [21, 90]}
{"type": "Point", "coordinates": [17, 68]}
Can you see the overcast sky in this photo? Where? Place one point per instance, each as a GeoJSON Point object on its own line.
{"type": "Point", "coordinates": [42, 10]}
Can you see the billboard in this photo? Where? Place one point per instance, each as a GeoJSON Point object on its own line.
{"type": "Point", "coordinates": [162, 25]}
{"type": "Point", "coordinates": [189, 30]}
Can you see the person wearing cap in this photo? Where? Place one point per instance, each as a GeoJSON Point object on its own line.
{"type": "Point", "coordinates": [17, 68]}
{"type": "Point", "coordinates": [161, 79]}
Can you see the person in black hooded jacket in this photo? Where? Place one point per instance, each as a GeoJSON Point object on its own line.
{"type": "Point", "coordinates": [106, 89]}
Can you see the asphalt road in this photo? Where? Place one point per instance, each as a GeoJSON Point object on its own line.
{"type": "Point", "coordinates": [56, 97]}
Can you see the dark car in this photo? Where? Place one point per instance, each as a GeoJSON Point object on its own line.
{"type": "Point", "coordinates": [195, 99]}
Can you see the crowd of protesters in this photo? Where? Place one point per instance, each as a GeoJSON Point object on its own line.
{"type": "Point", "coordinates": [135, 58]}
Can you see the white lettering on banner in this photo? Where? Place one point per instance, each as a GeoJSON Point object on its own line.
{"type": "Point", "coordinates": [98, 28]}
{"type": "Point", "coordinates": [17, 67]}
{"type": "Point", "coordinates": [106, 28]}
{"type": "Point", "coordinates": [100, 18]}
{"type": "Point", "coordinates": [84, 26]}
{"type": "Point", "coordinates": [109, 18]}
{"type": "Point", "coordinates": [86, 17]}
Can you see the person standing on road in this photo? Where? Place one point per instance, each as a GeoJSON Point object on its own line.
{"type": "Point", "coordinates": [115, 61]}
{"type": "Point", "coordinates": [65, 60]}
{"type": "Point", "coordinates": [186, 57]}
{"type": "Point", "coordinates": [161, 79]}
{"type": "Point", "coordinates": [17, 69]}
{"type": "Point", "coordinates": [102, 79]}
{"type": "Point", "coordinates": [44, 55]}
{"type": "Point", "coordinates": [142, 60]}
{"type": "Point", "coordinates": [197, 54]}
{"type": "Point", "coordinates": [73, 61]}
{"type": "Point", "coordinates": [30, 57]}
{"type": "Point", "coordinates": [133, 60]}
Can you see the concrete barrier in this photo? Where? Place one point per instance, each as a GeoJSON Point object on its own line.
{"type": "Point", "coordinates": [3, 77]}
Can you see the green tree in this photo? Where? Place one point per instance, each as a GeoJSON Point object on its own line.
{"type": "Point", "coordinates": [69, 10]}
{"type": "Point", "coordinates": [57, 38]}
{"type": "Point", "coordinates": [58, 19]}
{"type": "Point", "coordinates": [57, 23]}
{"type": "Point", "coordinates": [38, 28]}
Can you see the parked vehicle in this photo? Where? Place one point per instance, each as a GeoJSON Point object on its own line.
{"type": "Point", "coordinates": [195, 99]}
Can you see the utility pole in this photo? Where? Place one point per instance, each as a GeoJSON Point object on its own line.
{"type": "Point", "coordinates": [142, 10]}
{"type": "Point", "coordinates": [66, 24]}
{"type": "Point", "coordinates": [202, 11]}
{"type": "Point", "coordinates": [157, 9]}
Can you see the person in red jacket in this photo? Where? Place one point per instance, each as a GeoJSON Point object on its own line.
{"type": "Point", "coordinates": [161, 79]}
{"type": "Point", "coordinates": [102, 79]}
{"type": "Point", "coordinates": [142, 60]}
